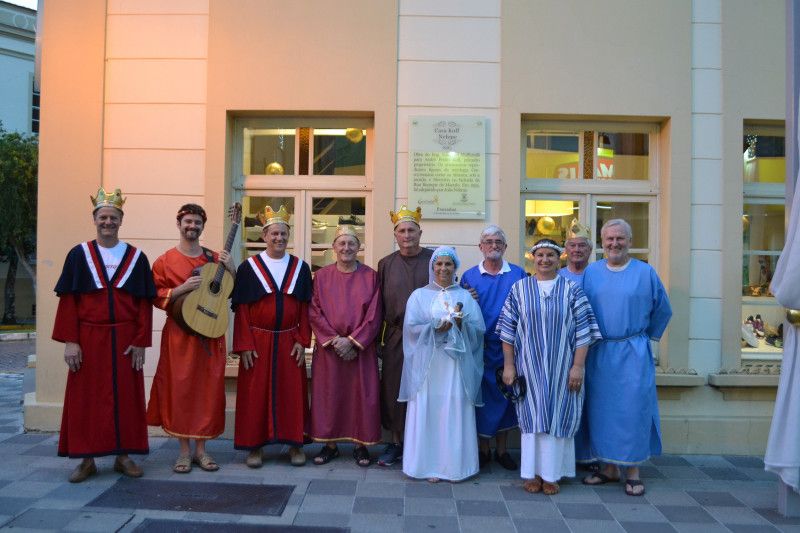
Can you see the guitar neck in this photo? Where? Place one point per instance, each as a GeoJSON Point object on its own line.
{"type": "Point", "coordinates": [228, 246]}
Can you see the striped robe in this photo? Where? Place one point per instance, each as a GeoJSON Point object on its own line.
{"type": "Point", "coordinates": [545, 332]}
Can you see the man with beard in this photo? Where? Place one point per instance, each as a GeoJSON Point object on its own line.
{"type": "Point", "coordinates": [578, 247]}
{"type": "Point", "coordinates": [270, 332]}
{"type": "Point", "coordinates": [188, 395]}
{"type": "Point", "coordinates": [104, 318]}
{"type": "Point", "coordinates": [490, 282]}
{"type": "Point", "coordinates": [399, 274]}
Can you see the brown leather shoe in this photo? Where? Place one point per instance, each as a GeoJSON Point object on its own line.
{"type": "Point", "coordinates": [82, 472]}
{"type": "Point", "coordinates": [128, 467]}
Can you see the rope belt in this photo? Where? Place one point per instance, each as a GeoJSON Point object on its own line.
{"type": "Point", "coordinates": [273, 330]}
{"type": "Point", "coordinates": [620, 339]}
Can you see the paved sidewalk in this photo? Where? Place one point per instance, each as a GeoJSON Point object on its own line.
{"type": "Point", "coordinates": [684, 493]}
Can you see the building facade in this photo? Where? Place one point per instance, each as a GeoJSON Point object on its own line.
{"type": "Point", "coordinates": [668, 114]}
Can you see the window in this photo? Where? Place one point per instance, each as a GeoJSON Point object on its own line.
{"type": "Point", "coordinates": [763, 236]}
{"type": "Point", "coordinates": [34, 110]}
{"type": "Point", "coordinates": [592, 172]}
{"type": "Point", "coordinates": [318, 168]}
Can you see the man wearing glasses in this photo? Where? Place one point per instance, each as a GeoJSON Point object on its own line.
{"type": "Point", "coordinates": [490, 282]}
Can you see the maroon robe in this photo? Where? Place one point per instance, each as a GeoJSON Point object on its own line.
{"type": "Point", "coordinates": [272, 395]}
{"type": "Point", "coordinates": [104, 403]}
{"type": "Point", "coordinates": [398, 277]}
{"type": "Point", "coordinates": [345, 395]}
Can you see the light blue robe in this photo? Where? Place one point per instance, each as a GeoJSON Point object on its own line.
{"type": "Point", "coordinates": [497, 413]}
{"type": "Point", "coordinates": [545, 331]}
{"type": "Point", "coordinates": [567, 273]}
{"type": "Point", "coordinates": [631, 307]}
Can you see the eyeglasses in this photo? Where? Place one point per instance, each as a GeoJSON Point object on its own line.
{"type": "Point", "coordinates": [494, 242]}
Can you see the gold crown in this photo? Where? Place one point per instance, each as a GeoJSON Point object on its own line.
{"type": "Point", "coordinates": [103, 199]}
{"type": "Point", "coordinates": [346, 229]}
{"type": "Point", "coordinates": [576, 229]}
{"type": "Point", "coordinates": [274, 217]}
{"type": "Point", "coordinates": [406, 215]}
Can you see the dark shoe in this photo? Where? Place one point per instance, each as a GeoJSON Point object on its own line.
{"type": "Point", "coordinates": [505, 460]}
{"type": "Point", "coordinates": [326, 455]}
{"type": "Point", "coordinates": [391, 454]}
{"type": "Point", "coordinates": [128, 467]}
{"type": "Point", "coordinates": [631, 487]}
{"type": "Point", "coordinates": [82, 472]}
{"type": "Point", "coordinates": [361, 455]}
{"type": "Point", "coordinates": [484, 458]}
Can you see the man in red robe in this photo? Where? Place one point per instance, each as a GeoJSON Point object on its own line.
{"type": "Point", "coordinates": [345, 388]}
{"type": "Point", "coordinates": [270, 333]}
{"type": "Point", "coordinates": [104, 317]}
{"type": "Point", "coordinates": [188, 395]}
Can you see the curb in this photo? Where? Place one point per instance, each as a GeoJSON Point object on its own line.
{"type": "Point", "coordinates": [17, 336]}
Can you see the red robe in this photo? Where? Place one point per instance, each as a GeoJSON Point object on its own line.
{"type": "Point", "coordinates": [345, 395]}
{"type": "Point", "coordinates": [104, 404]}
{"type": "Point", "coordinates": [271, 396]}
{"type": "Point", "coordinates": [188, 394]}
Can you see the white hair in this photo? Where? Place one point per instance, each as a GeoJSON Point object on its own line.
{"type": "Point", "coordinates": [493, 229]}
{"type": "Point", "coordinates": [618, 222]}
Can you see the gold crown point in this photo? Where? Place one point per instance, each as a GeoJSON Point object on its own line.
{"type": "Point", "coordinates": [576, 229]}
{"type": "Point", "coordinates": [104, 199]}
{"type": "Point", "coordinates": [273, 217]}
{"type": "Point", "coordinates": [404, 214]}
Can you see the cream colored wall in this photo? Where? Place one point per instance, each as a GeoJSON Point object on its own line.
{"type": "Point", "coordinates": [339, 57]}
{"type": "Point", "coordinates": [70, 167]}
{"type": "Point", "coordinates": [601, 60]}
{"type": "Point", "coordinates": [449, 65]}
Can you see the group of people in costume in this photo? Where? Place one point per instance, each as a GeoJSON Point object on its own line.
{"type": "Point", "coordinates": [563, 354]}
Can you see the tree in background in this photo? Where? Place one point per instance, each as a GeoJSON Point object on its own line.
{"type": "Point", "coordinates": [19, 159]}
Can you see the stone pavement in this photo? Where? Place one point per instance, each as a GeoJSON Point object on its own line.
{"type": "Point", "coordinates": [684, 493]}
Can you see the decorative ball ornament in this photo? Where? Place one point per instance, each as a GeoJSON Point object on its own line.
{"type": "Point", "coordinates": [274, 168]}
{"type": "Point", "coordinates": [793, 317]}
{"type": "Point", "coordinates": [546, 225]}
{"type": "Point", "coordinates": [745, 223]}
{"type": "Point", "coordinates": [354, 135]}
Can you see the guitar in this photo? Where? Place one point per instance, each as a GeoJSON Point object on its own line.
{"type": "Point", "coordinates": [205, 310]}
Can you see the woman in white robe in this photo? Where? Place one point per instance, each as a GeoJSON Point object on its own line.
{"type": "Point", "coordinates": [442, 369]}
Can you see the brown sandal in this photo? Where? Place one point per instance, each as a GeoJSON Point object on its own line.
{"type": "Point", "coordinates": [550, 488]}
{"type": "Point", "coordinates": [183, 465]}
{"type": "Point", "coordinates": [206, 462]}
{"type": "Point", "coordinates": [534, 486]}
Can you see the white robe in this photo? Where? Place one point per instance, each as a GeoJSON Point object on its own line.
{"type": "Point", "coordinates": [441, 383]}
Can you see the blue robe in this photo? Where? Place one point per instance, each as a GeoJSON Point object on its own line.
{"type": "Point", "coordinates": [545, 331]}
{"type": "Point", "coordinates": [567, 273]}
{"type": "Point", "coordinates": [632, 308]}
{"type": "Point", "coordinates": [497, 413]}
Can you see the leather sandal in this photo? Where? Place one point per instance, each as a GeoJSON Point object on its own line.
{"type": "Point", "coordinates": [205, 462]}
{"type": "Point", "coordinates": [630, 487]}
{"type": "Point", "coordinates": [127, 467]}
{"type": "Point", "coordinates": [361, 455]}
{"type": "Point", "coordinates": [550, 489]}
{"type": "Point", "coordinates": [326, 455]}
{"type": "Point", "coordinates": [533, 486]}
{"type": "Point", "coordinates": [254, 459]}
{"type": "Point", "coordinates": [183, 465]}
{"type": "Point", "coordinates": [82, 472]}
{"type": "Point", "coordinates": [601, 478]}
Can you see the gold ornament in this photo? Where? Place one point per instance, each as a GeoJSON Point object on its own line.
{"type": "Point", "coordinates": [576, 229]}
{"type": "Point", "coordinates": [103, 199]}
{"type": "Point", "coordinates": [546, 225]}
{"type": "Point", "coordinates": [406, 215]}
{"type": "Point", "coordinates": [274, 168]}
{"type": "Point", "coordinates": [354, 135]}
{"type": "Point", "coordinates": [793, 316]}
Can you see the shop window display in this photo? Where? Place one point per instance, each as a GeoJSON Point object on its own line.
{"type": "Point", "coordinates": [763, 236]}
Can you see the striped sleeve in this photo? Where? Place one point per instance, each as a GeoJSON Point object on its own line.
{"type": "Point", "coordinates": [587, 331]}
{"type": "Point", "coordinates": [506, 327]}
